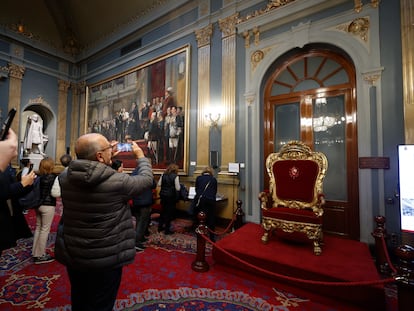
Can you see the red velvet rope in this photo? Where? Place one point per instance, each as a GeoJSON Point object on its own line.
{"type": "Point", "coordinates": [387, 257]}
{"type": "Point", "coordinates": [225, 230]}
{"type": "Point", "coordinates": [285, 277]}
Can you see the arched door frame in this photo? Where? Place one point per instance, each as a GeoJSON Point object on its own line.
{"type": "Point", "coordinates": [365, 55]}
{"type": "Point", "coordinates": [341, 215]}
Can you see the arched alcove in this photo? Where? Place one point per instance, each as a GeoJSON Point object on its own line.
{"type": "Point", "coordinates": [40, 107]}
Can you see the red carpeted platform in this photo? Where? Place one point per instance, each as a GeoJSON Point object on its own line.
{"type": "Point", "coordinates": [341, 261]}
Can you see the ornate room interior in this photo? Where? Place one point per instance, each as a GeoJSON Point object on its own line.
{"type": "Point", "coordinates": [83, 45]}
{"type": "Point", "coordinates": [246, 76]}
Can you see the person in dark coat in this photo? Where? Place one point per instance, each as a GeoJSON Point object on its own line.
{"type": "Point", "coordinates": [7, 236]}
{"type": "Point", "coordinates": [170, 185]}
{"type": "Point", "coordinates": [206, 191]}
{"type": "Point", "coordinates": [8, 151]}
{"type": "Point", "coordinates": [65, 160]}
{"type": "Point", "coordinates": [141, 209]}
{"type": "Point", "coordinates": [96, 238]}
{"type": "Point", "coordinates": [17, 189]}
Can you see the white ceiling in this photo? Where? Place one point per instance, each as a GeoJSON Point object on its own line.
{"type": "Point", "coordinates": [76, 25]}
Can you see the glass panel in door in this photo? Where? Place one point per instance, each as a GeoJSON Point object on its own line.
{"type": "Point", "coordinates": [329, 138]}
{"type": "Point", "coordinates": [287, 124]}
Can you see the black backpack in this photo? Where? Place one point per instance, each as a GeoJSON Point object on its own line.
{"type": "Point", "coordinates": [32, 199]}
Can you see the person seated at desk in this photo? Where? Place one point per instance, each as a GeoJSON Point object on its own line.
{"type": "Point", "coordinates": [205, 198]}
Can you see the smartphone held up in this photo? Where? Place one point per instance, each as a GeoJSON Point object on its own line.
{"type": "Point", "coordinates": [7, 123]}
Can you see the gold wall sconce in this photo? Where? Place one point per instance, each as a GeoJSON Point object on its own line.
{"type": "Point", "coordinates": [213, 119]}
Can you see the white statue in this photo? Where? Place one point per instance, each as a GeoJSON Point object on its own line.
{"type": "Point", "coordinates": [35, 140]}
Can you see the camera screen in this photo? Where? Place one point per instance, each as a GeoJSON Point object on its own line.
{"type": "Point", "coordinates": [124, 147]}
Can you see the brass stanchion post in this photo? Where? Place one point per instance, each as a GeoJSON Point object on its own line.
{"type": "Point", "coordinates": [380, 235]}
{"type": "Point", "coordinates": [200, 264]}
{"type": "Point", "coordinates": [239, 215]}
{"type": "Point", "coordinates": [405, 277]}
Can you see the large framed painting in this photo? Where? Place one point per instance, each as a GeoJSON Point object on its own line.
{"type": "Point", "coordinates": [147, 104]}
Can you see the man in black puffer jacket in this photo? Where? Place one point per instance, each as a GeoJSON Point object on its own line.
{"type": "Point", "coordinates": [96, 237]}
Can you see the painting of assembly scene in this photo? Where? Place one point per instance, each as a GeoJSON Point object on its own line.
{"type": "Point", "coordinates": [148, 105]}
{"type": "Point", "coordinates": [407, 214]}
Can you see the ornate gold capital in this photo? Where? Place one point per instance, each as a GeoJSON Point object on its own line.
{"type": "Point", "coordinates": [228, 25]}
{"type": "Point", "coordinates": [78, 88]}
{"type": "Point", "coordinates": [63, 85]}
{"type": "Point", "coordinates": [203, 35]}
{"type": "Point", "coordinates": [16, 71]}
{"type": "Point", "coordinates": [357, 5]}
{"type": "Point", "coordinates": [372, 76]}
{"type": "Point", "coordinates": [250, 98]}
{"type": "Point", "coordinates": [374, 3]}
{"type": "Point", "coordinates": [246, 36]}
{"type": "Point", "coordinates": [256, 33]}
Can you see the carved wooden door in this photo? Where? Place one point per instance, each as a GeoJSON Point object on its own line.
{"type": "Point", "coordinates": [310, 96]}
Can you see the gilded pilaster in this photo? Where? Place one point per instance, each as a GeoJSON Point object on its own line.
{"type": "Point", "coordinates": [63, 87]}
{"type": "Point", "coordinates": [203, 37]}
{"type": "Point", "coordinates": [407, 39]}
{"type": "Point", "coordinates": [228, 29]}
{"type": "Point", "coordinates": [74, 132]}
{"type": "Point", "coordinates": [16, 73]}
{"type": "Point", "coordinates": [82, 108]}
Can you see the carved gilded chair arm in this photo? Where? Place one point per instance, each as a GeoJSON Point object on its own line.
{"type": "Point", "coordinates": [264, 198]}
{"type": "Point", "coordinates": [318, 209]}
{"type": "Point", "coordinates": [321, 199]}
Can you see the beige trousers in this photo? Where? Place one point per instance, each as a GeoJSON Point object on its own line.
{"type": "Point", "coordinates": [44, 219]}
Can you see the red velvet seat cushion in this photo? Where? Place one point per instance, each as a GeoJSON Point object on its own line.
{"type": "Point", "coordinates": [293, 214]}
{"type": "Point", "coordinates": [295, 179]}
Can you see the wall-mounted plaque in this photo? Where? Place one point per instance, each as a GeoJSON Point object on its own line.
{"type": "Point", "coordinates": [374, 162]}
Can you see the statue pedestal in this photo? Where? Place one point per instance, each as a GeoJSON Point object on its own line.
{"type": "Point", "coordinates": [35, 158]}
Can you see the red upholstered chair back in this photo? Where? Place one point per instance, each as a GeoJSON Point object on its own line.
{"type": "Point", "coordinates": [295, 180]}
{"type": "Point", "coordinates": [296, 176]}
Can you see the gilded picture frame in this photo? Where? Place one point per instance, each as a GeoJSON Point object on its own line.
{"type": "Point", "coordinates": [148, 104]}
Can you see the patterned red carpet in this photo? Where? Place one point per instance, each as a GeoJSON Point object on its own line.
{"type": "Point", "coordinates": [160, 279]}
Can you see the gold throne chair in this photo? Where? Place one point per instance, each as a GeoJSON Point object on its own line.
{"type": "Point", "coordinates": [292, 207]}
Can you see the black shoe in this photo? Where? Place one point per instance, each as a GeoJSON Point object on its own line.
{"type": "Point", "coordinates": [46, 258]}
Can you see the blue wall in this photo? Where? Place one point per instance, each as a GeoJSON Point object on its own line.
{"type": "Point", "coordinates": [43, 72]}
{"type": "Point", "coordinates": [393, 105]}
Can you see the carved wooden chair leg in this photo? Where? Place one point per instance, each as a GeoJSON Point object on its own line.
{"type": "Point", "coordinates": [316, 248]}
{"type": "Point", "coordinates": [265, 237]}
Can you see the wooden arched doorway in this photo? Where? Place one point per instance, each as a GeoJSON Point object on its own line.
{"type": "Point", "coordinates": [310, 96]}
